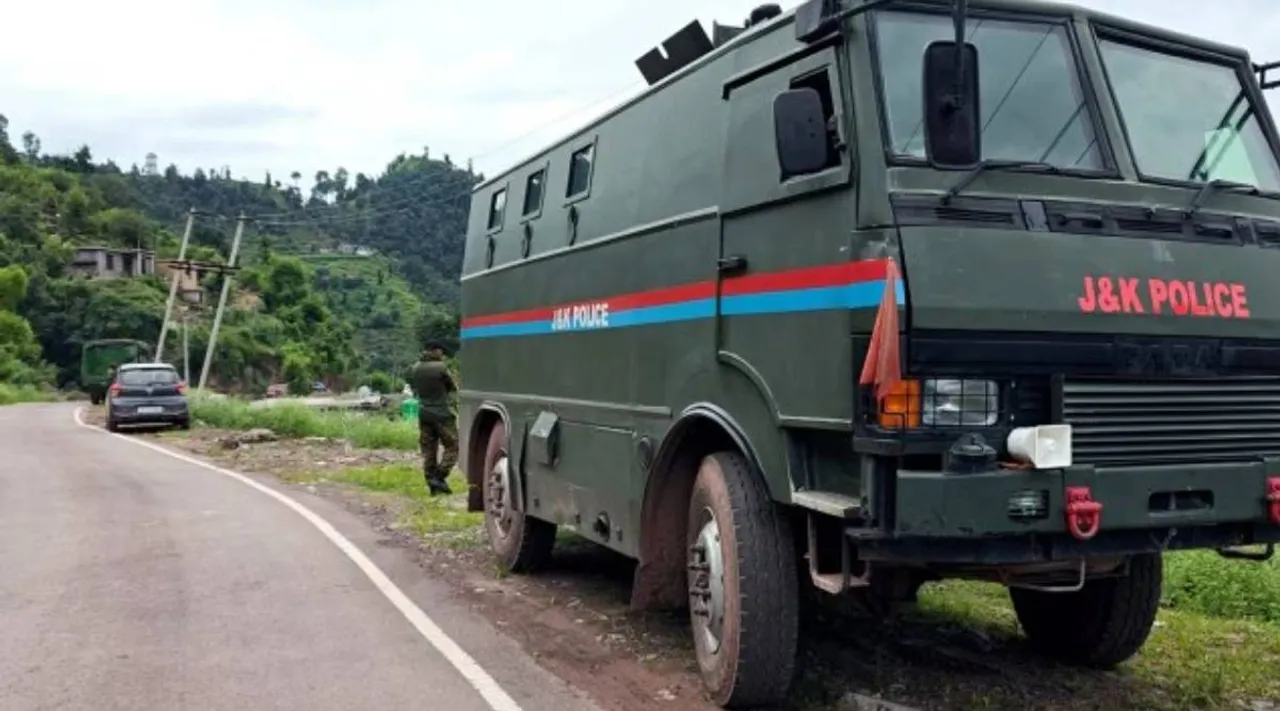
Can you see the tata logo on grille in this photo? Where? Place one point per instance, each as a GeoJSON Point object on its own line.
{"type": "Point", "coordinates": [1168, 357]}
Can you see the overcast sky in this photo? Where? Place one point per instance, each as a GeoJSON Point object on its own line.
{"type": "Point", "coordinates": [304, 85]}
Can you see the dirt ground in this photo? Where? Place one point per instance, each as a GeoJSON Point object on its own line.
{"type": "Point", "coordinates": [574, 620]}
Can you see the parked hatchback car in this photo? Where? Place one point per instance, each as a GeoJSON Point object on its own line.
{"type": "Point", "coordinates": [147, 394]}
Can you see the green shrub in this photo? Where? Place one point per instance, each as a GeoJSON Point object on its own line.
{"type": "Point", "coordinates": [381, 382]}
{"type": "Point", "coordinates": [14, 394]}
{"type": "Point", "coordinates": [367, 430]}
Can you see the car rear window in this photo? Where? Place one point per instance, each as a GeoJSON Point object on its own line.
{"type": "Point", "coordinates": [149, 376]}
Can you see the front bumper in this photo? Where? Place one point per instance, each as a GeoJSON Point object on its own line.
{"type": "Point", "coordinates": [970, 517]}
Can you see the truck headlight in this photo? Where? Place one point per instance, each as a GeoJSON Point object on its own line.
{"type": "Point", "coordinates": [959, 403]}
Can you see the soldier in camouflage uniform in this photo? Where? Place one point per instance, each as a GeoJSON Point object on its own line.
{"type": "Point", "coordinates": [433, 385]}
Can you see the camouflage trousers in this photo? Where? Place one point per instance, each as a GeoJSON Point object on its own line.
{"type": "Point", "coordinates": [432, 436]}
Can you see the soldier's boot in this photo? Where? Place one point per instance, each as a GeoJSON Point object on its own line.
{"type": "Point", "coordinates": [437, 484]}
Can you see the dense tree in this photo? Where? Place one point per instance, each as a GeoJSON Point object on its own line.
{"type": "Point", "coordinates": [8, 154]}
{"type": "Point", "coordinates": [13, 287]}
{"type": "Point", "coordinates": [31, 147]}
{"type": "Point", "coordinates": [21, 362]}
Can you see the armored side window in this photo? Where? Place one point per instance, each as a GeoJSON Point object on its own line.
{"type": "Point", "coordinates": [580, 166]}
{"type": "Point", "coordinates": [533, 191]}
{"type": "Point", "coordinates": [497, 209]}
{"type": "Point", "coordinates": [820, 81]}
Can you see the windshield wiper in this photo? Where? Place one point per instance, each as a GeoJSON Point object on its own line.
{"type": "Point", "coordinates": [1203, 156]}
{"type": "Point", "coordinates": [1219, 185]}
{"type": "Point", "coordinates": [986, 165]}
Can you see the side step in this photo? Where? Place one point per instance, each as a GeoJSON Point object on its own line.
{"type": "Point", "coordinates": [825, 502]}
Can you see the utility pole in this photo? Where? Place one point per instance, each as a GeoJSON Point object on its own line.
{"type": "Point", "coordinates": [227, 276]}
{"type": "Point", "coordinates": [186, 348]}
{"type": "Point", "coordinates": [173, 283]}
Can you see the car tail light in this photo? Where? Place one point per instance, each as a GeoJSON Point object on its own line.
{"type": "Point", "coordinates": [182, 388]}
{"type": "Point", "coordinates": [115, 388]}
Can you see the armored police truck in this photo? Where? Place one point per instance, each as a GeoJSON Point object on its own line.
{"type": "Point", "coordinates": [873, 293]}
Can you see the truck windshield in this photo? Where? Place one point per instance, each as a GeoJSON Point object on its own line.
{"type": "Point", "coordinates": [1188, 119]}
{"type": "Point", "coordinates": [1032, 105]}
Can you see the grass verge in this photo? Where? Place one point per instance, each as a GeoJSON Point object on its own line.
{"type": "Point", "coordinates": [1206, 583]}
{"type": "Point", "coordinates": [441, 520]}
{"type": "Point", "coordinates": [15, 394]}
{"type": "Point", "coordinates": [365, 430]}
{"type": "Point", "coordinates": [1190, 661]}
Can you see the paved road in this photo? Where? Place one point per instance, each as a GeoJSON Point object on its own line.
{"type": "Point", "coordinates": [133, 580]}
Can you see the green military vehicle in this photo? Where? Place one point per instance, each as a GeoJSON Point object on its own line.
{"type": "Point", "coordinates": [874, 293]}
{"type": "Point", "coordinates": [97, 358]}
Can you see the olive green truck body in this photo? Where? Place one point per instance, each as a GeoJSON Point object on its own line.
{"type": "Point", "coordinates": [97, 358]}
{"type": "Point", "coordinates": [664, 286]}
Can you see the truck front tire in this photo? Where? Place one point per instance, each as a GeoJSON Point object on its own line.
{"type": "Point", "coordinates": [521, 543]}
{"type": "Point", "coordinates": [1101, 625]}
{"type": "Point", "coordinates": [743, 592]}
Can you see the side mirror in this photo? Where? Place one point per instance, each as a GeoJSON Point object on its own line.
{"type": "Point", "coordinates": [800, 132]}
{"type": "Point", "coordinates": [953, 130]}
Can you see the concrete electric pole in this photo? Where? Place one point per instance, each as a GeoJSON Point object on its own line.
{"type": "Point", "coordinates": [227, 276]}
{"type": "Point", "coordinates": [173, 283]}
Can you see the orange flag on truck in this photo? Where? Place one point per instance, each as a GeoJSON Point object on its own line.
{"type": "Point", "coordinates": [882, 366]}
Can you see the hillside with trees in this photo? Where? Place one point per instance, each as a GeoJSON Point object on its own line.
{"type": "Point", "coordinates": [338, 282]}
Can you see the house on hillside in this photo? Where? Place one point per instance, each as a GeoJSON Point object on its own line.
{"type": "Point", "coordinates": [112, 263]}
{"type": "Point", "coordinates": [190, 283]}
{"type": "Point", "coordinates": [356, 249]}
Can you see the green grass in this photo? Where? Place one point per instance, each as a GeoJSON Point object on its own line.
{"type": "Point", "coordinates": [1192, 660]}
{"type": "Point", "coordinates": [1206, 583]}
{"type": "Point", "coordinates": [365, 430]}
{"type": "Point", "coordinates": [15, 394]}
{"type": "Point", "coordinates": [443, 519]}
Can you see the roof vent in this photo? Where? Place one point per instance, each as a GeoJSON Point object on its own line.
{"type": "Point", "coordinates": [681, 49]}
{"type": "Point", "coordinates": [720, 34]}
{"type": "Point", "coordinates": [764, 13]}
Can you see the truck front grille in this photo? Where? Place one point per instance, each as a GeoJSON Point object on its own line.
{"type": "Point", "coordinates": [1117, 422]}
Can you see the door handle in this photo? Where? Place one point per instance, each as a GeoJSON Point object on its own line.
{"type": "Point", "coordinates": [733, 264]}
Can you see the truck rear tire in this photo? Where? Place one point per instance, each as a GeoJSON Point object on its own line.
{"type": "Point", "coordinates": [743, 593]}
{"type": "Point", "coordinates": [1100, 626]}
{"type": "Point", "coordinates": [521, 543]}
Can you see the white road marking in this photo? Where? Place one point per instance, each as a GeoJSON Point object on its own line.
{"type": "Point", "coordinates": [479, 679]}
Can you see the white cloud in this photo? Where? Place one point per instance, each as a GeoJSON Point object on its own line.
{"type": "Point", "coordinates": [315, 84]}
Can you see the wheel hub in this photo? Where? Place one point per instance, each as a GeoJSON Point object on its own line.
{"type": "Point", "coordinates": [498, 496]}
{"type": "Point", "coordinates": [706, 585]}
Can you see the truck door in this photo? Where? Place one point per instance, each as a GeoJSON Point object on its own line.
{"type": "Point", "coordinates": [781, 242]}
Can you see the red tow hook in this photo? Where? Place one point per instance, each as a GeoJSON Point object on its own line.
{"type": "Point", "coordinates": [1084, 515]}
{"type": "Point", "coordinates": [1273, 498]}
